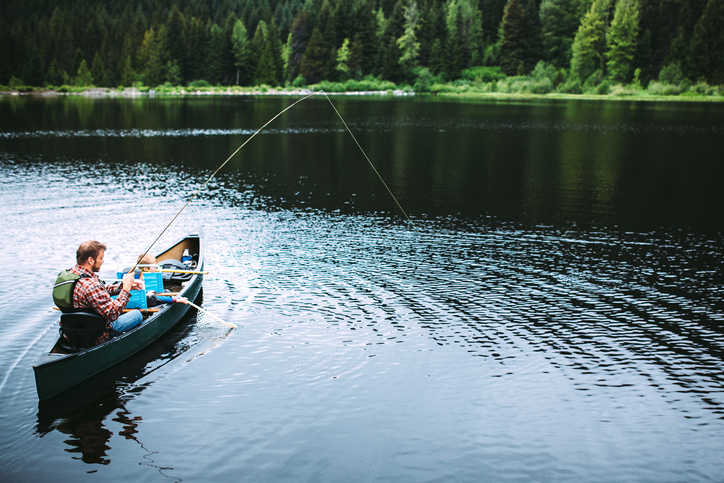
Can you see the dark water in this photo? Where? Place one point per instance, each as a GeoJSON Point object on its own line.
{"type": "Point", "coordinates": [555, 314]}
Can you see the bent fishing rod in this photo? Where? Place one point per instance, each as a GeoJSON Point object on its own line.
{"type": "Point", "coordinates": [252, 137]}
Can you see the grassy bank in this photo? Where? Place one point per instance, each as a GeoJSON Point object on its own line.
{"type": "Point", "coordinates": [478, 83]}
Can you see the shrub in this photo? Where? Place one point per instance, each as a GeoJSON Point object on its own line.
{"type": "Point", "coordinates": [623, 90]}
{"type": "Point", "coordinates": [671, 74]}
{"type": "Point", "coordinates": [17, 84]}
{"type": "Point", "coordinates": [661, 89]}
{"type": "Point", "coordinates": [299, 82]}
{"type": "Point", "coordinates": [701, 88]}
{"type": "Point", "coordinates": [571, 86]}
{"type": "Point", "coordinates": [593, 82]}
{"type": "Point", "coordinates": [482, 74]}
{"type": "Point", "coordinates": [604, 88]}
{"type": "Point", "coordinates": [424, 80]}
{"type": "Point", "coordinates": [199, 84]}
{"type": "Point", "coordinates": [544, 71]}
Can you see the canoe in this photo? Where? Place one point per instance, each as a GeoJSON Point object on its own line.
{"type": "Point", "coordinates": [58, 369]}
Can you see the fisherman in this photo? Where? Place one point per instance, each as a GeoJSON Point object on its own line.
{"type": "Point", "coordinates": [91, 293]}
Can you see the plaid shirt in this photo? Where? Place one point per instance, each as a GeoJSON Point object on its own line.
{"type": "Point", "coordinates": [91, 293]}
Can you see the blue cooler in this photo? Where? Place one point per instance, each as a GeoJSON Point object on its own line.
{"type": "Point", "coordinates": [137, 300]}
{"type": "Point", "coordinates": [153, 281]}
{"type": "Point", "coordinates": [138, 297]}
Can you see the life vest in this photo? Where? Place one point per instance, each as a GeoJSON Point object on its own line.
{"type": "Point", "coordinates": [63, 290]}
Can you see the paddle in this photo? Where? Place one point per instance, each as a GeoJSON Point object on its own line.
{"type": "Point", "coordinates": [210, 314]}
{"type": "Point", "coordinates": [183, 271]}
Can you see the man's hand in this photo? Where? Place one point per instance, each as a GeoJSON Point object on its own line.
{"type": "Point", "coordinates": [127, 281]}
{"type": "Point", "coordinates": [182, 300]}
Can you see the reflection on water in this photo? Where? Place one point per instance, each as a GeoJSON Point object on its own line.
{"type": "Point", "coordinates": [557, 315]}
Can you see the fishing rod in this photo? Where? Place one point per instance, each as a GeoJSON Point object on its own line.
{"type": "Point", "coordinates": [217, 170]}
{"type": "Point", "coordinates": [257, 132]}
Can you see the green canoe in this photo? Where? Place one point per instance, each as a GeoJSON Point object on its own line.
{"type": "Point", "coordinates": [58, 369]}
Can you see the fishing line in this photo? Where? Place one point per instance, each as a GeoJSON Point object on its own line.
{"type": "Point", "coordinates": [250, 138]}
{"type": "Point", "coordinates": [368, 160]}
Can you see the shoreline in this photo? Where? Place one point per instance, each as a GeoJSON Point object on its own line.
{"type": "Point", "coordinates": [133, 93]}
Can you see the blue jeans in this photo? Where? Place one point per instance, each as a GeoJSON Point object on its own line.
{"type": "Point", "coordinates": [127, 321]}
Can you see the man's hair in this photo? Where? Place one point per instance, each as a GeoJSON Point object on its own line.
{"type": "Point", "coordinates": [88, 249]}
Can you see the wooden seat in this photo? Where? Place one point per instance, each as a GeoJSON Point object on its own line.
{"type": "Point", "coordinates": [80, 330]}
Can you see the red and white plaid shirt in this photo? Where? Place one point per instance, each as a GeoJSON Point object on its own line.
{"type": "Point", "coordinates": [91, 293]}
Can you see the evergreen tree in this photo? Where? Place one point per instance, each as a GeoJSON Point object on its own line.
{"type": "Point", "coordinates": [589, 45]}
{"type": "Point", "coordinates": [128, 74]}
{"type": "Point", "coordinates": [513, 47]}
{"type": "Point", "coordinates": [241, 50]}
{"type": "Point", "coordinates": [152, 57]}
{"type": "Point", "coordinates": [492, 16]}
{"type": "Point", "coordinates": [34, 70]}
{"type": "Point", "coordinates": [706, 51]}
{"type": "Point", "coordinates": [344, 23]}
{"type": "Point", "coordinates": [314, 61]}
{"type": "Point", "coordinates": [622, 40]}
{"type": "Point", "coordinates": [437, 58]}
{"type": "Point", "coordinates": [533, 39]}
{"type": "Point", "coordinates": [388, 65]}
{"type": "Point", "coordinates": [455, 56]}
{"type": "Point", "coordinates": [84, 77]}
{"type": "Point", "coordinates": [197, 47]}
{"type": "Point", "coordinates": [299, 37]}
{"type": "Point", "coordinates": [559, 22]}
{"type": "Point", "coordinates": [366, 38]}
{"type": "Point", "coordinates": [61, 40]}
{"type": "Point", "coordinates": [329, 37]}
{"type": "Point", "coordinates": [343, 56]}
{"type": "Point", "coordinates": [258, 43]}
{"type": "Point", "coordinates": [98, 71]}
{"type": "Point", "coordinates": [463, 19]}
{"type": "Point", "coordinates": [215, 55]}
{"type": "Point", "coordinates": [176, 40]}
{"type": "Point", "coordinates": [274, 46]}
{"type": "Point", "coordinates": [408, 44]}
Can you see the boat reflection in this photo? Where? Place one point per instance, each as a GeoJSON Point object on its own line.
{"type": "Point", "coordinates": [82, 412]}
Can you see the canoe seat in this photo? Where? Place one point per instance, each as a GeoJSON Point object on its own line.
{"type": "Point", "coordinates": [80, 330]}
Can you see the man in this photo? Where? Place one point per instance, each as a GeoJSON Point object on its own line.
{"type": "Point", "coordinates": [91, 293]}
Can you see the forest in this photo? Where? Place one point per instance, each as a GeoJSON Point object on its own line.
{"type": "Point", "coordinates": [569, 46]}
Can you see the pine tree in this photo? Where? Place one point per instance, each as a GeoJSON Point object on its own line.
{"type": "Point", "coordinates": [706, 51]}
{"type": "Point", "coordinates": [214, 55]}
{"type": "Point", "coordinates": [366, 38]}
{"type": "Point", "coordinates": [407, 43]}
{"type": "Point", "coordinates": [622, 40]}
{"type": "Point", "coordinates": [176, 40]}
{"type": "Point", "coordinates": [84, 77]}
{"type": "Point", "coordinates": [98, 71]}
{"type": "Point", "coordinates": [241, 51]}
{"type": "Point", "coordinates": [128, 75]}
{"type": "Point", "coordinates": [343, 56]}
{"type": "Point", "coordinates": [299, 37]}
{"type": "Point", "coordinates": [590, 43]}
{"type": "Point", "coordinates": [313, 63]}
{"type": "Point", "coordinates": [513, 47]}
{"type": "Point", "coordinates": [492, 14]}
{"type": "Point", "coordinates": [437, 58]}
{"type": "Point", "coordinates": [559, 22]}
{"type": "Point", "coordinates": [533, 39]}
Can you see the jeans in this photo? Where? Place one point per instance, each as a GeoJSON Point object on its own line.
{"type": "Point", "coordinates": [127, 321]}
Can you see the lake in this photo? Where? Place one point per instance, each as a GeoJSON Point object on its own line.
{"type": "Point", "coordinates": [551, 311]}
